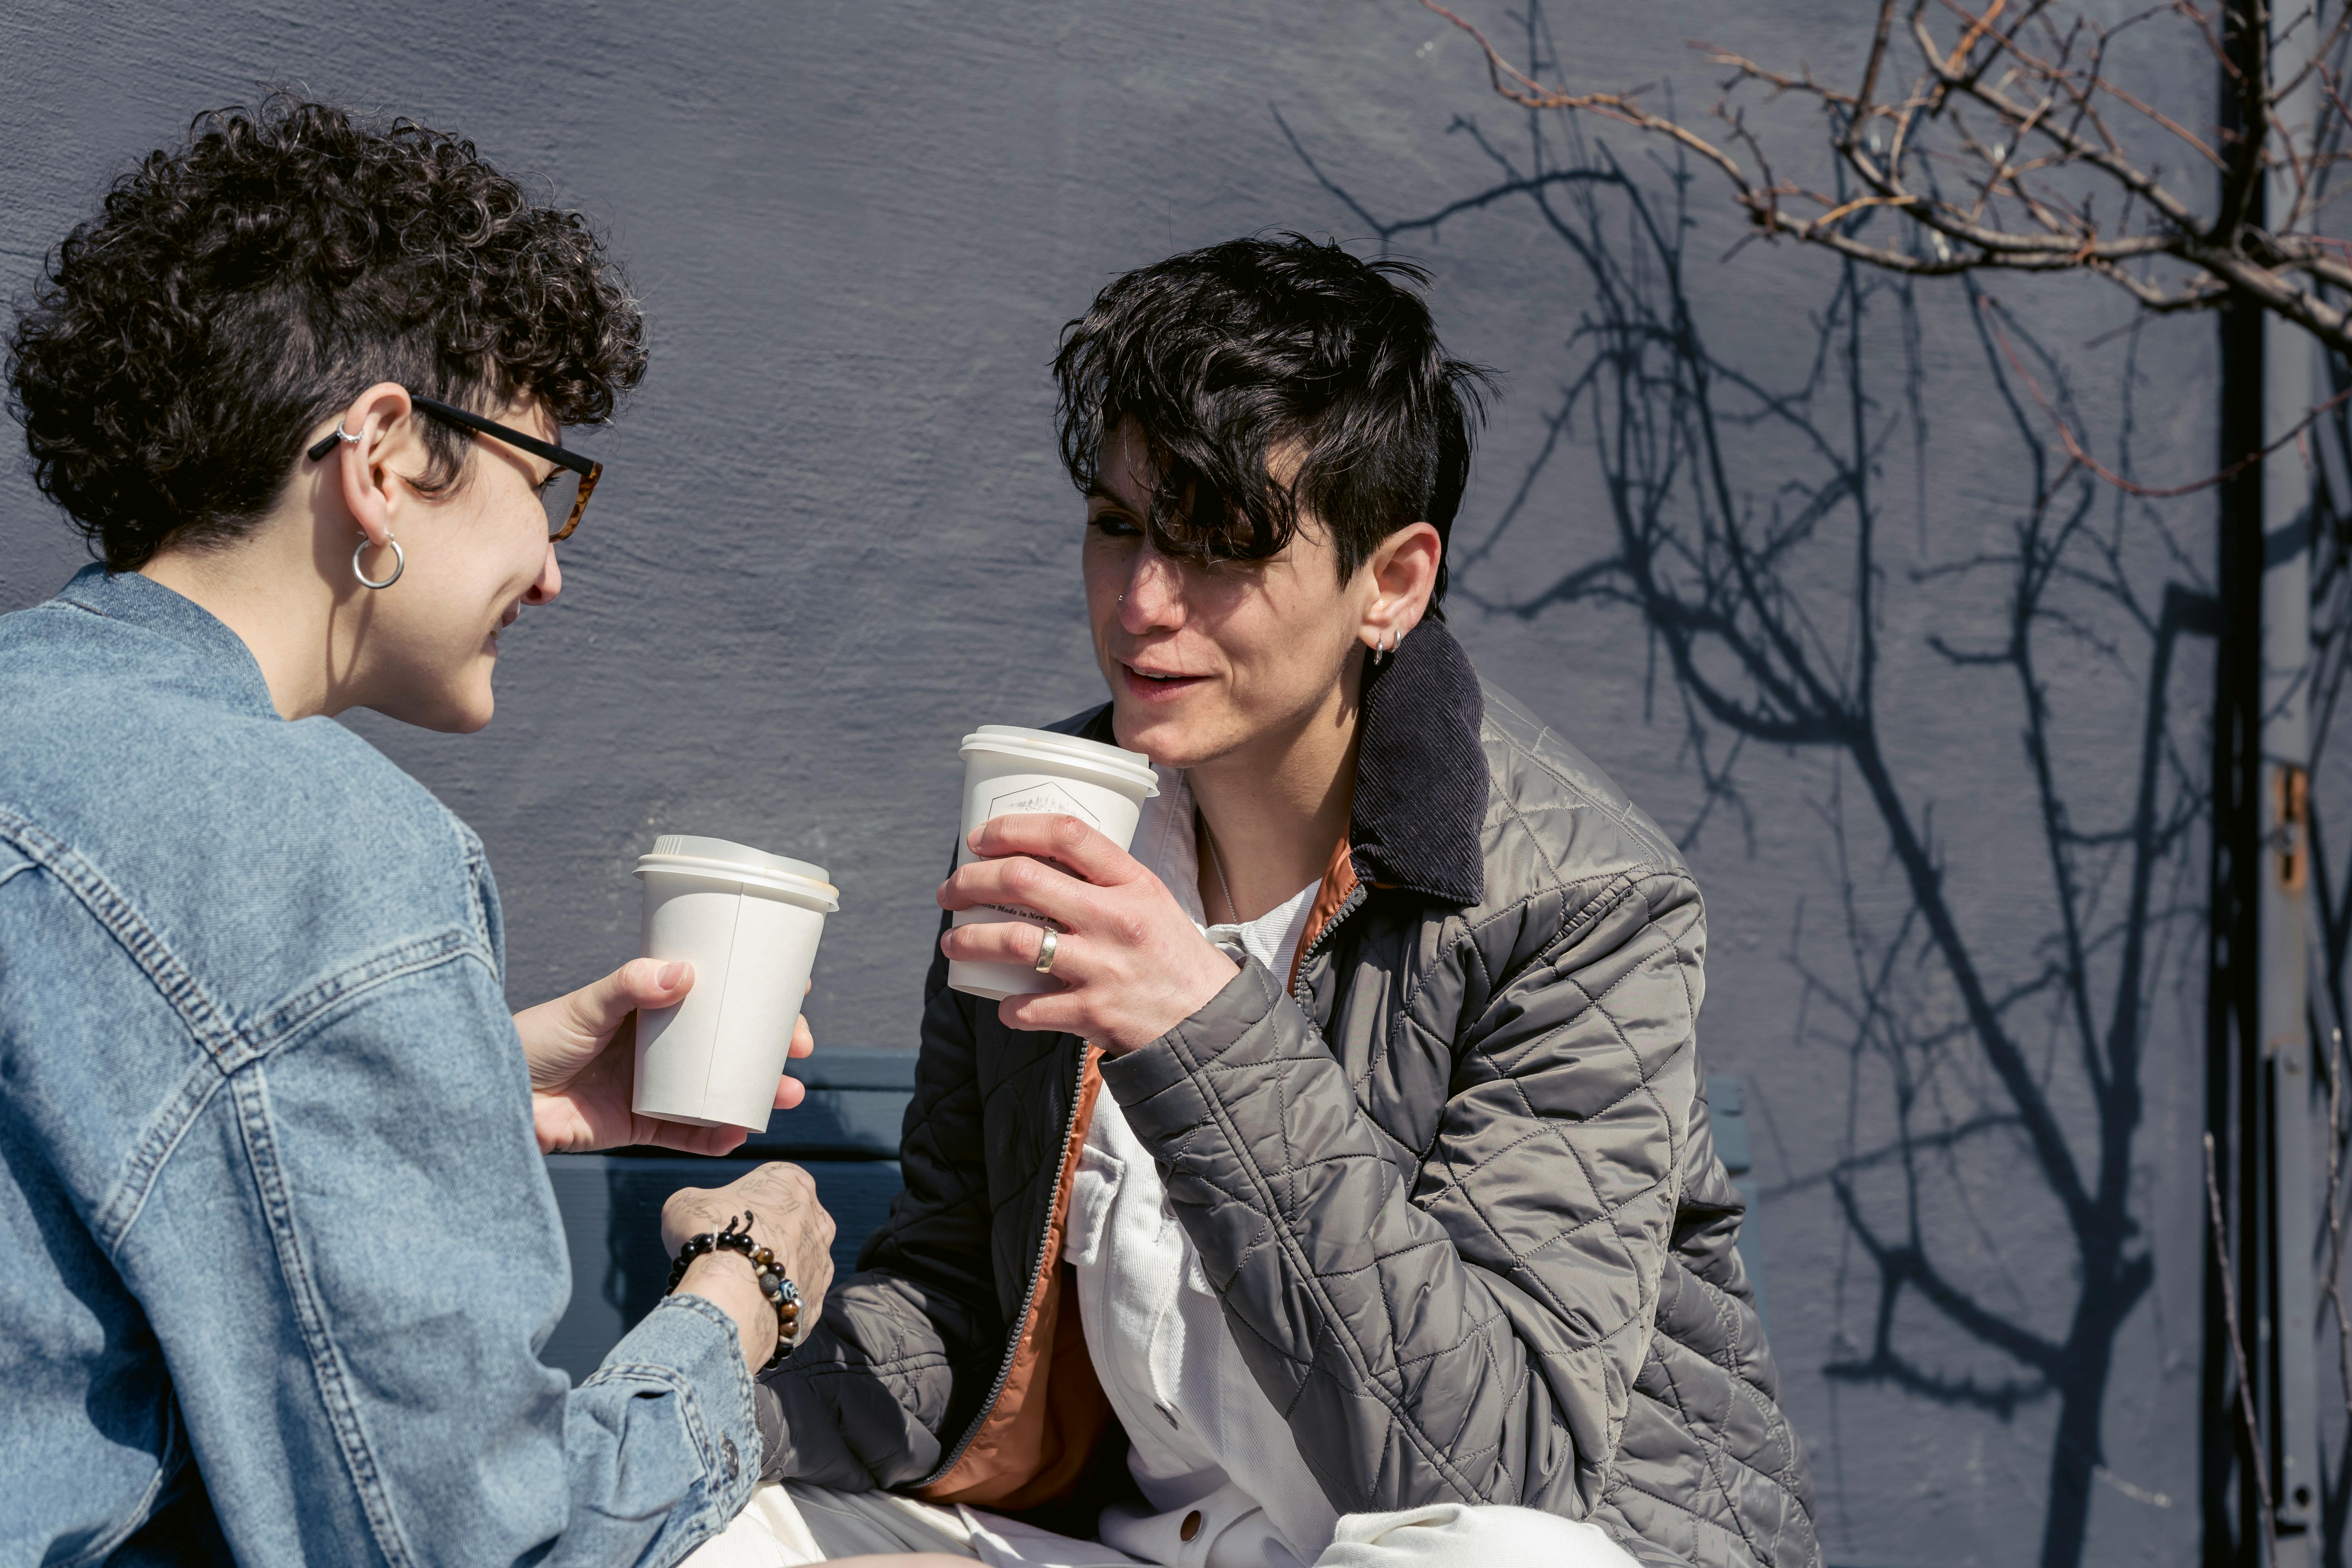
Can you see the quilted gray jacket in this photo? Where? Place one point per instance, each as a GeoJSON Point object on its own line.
{"type": "Point", "coordinates": [1454, 1184]}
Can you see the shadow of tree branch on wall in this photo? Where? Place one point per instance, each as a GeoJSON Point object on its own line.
{"type": "Point", "coordinates": [1988, 1069]}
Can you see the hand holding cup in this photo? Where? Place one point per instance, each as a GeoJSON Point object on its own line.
{"type": "Point", "coordinates": [749, 922]}
{"type": "Point", "coordinates": [1129, 962]}
{"type": "Point", "coordinates": [1012, 771]}
{"type": "Point", "coordinates": [581, 1051]}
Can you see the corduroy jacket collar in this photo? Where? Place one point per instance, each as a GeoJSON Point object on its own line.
{"type": "Point", "coordinates": [1421, 773]}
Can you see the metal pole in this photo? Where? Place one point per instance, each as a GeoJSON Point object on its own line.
{"type": "Point", "coordinates": [2283, 1078]}
{"type": "Point", "coordinates": [2229, 1485]}
{"type": "Point", "coordinates": [2229, 1495]}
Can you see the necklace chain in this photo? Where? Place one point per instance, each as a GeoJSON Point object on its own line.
{"type": "Point", "coordinates": [1217, 864]}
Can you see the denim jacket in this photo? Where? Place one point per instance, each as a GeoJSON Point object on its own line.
{"type": "Point", "coordinates": [277, 1250]}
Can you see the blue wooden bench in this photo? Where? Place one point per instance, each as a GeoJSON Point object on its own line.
{"type": "Point", "coordinates": [846, 1134]}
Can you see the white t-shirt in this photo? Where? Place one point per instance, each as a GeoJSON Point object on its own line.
{"type": "Point", "coordinates": [1196, 1419]}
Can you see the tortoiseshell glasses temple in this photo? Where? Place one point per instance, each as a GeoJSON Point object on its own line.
{"type": "Point", "coordinates": [560, 497]}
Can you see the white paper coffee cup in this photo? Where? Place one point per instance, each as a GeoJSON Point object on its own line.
{"type": "Point", "coordinates": [749, 922]}
{"type": "Point", "coordinates": [1011, 772]}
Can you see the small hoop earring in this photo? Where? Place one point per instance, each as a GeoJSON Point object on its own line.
{"type": "Point", "coordinates": [325, 444]}
{"type": "Point", "coordinates": [399, 563]}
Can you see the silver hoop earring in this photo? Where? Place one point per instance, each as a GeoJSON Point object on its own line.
{"type": "Point", "coordinates": [399, 563]}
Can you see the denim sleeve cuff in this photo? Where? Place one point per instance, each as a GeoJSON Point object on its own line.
{"type": "Point", "coordinates": [690, 1347]}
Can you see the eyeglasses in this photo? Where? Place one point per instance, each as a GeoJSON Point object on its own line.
{"type": "Point", "coordinates": [565, 492]}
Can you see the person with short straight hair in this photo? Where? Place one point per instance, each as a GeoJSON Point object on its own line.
{"type": "Point", "coordinates": [1352, 1199]}
{"type": "Point", "coordinates": [281, 1247]}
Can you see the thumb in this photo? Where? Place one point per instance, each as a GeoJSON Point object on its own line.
{"type": "Point", "coordinates": [642, 982]}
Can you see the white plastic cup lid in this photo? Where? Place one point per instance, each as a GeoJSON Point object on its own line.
{"type": "Point", "coordinates": [737, 855]}
{"type": "Point", "coordinates": [1012, 740]}
{"type": "Point", "coordinates": [688, 853]}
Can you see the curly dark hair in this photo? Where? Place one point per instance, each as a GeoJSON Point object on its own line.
{"type": "Point", "coordinates": [1226, 356]}
{"type": "Point", "coordinates": [235, 291]}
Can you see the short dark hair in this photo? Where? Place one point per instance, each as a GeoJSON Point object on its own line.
{"type": "Point", "coordinates": [234, 291]}
{"type": "Point", "coordinates": [1225, 357]}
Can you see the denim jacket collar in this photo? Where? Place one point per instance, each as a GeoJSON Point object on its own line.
{"type": "Point", "coordinates": [141, 601]}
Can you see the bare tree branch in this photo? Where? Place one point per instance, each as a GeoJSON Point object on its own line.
{"type": "Point", "coordinates": [2037, 73]}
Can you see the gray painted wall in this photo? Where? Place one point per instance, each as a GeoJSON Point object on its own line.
{"type": "Point", "coordinates": [833, 536]}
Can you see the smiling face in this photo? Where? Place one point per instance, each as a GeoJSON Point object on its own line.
{"type": "Point", "coordinates": [1204, 662]}
{"type": "Point", "coordinates": [475, 556]}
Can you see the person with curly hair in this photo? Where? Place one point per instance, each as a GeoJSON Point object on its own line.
{"type": "Point", "coordinates": [282, 1245]}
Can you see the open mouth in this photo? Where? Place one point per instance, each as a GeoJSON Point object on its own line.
{"type": "Point", "coordinates": [1158, 686]}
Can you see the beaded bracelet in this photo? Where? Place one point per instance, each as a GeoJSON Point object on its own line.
{"type": "Point", "coordinates": [781, 1292]}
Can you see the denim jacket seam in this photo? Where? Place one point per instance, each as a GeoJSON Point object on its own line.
{"type": "Point", "coordinates": [250, 1088]}
{"type": "Point", "coordinates": [475, 907]}
{"type": "Point", "coordinates": [477, 859]}
{"type": "Point", "coordinates": [307, 1009]}
{"type": "Point", "coordinates": [204, 1018]}
{"type": "Point", "coordinates": [144, 1166]}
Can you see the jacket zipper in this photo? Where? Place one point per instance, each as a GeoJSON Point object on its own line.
{"type": "Point", "coordinates": [1347, 906]}
{"type": "Point", "coordinates": [1036, 1277]}
{"type": "Point", "coordinates": [1299, 991]}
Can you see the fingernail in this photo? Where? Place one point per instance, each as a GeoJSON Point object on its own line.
{"type": "Point", "coordinates": [671, 973]}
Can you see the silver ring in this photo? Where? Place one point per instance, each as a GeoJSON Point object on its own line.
{"type": "Point", "coordinates": [1045, 964]}
{"type": "Point", "coordinates": [345, 437]}
{"type": "Point", "coordinates": [399, 563]}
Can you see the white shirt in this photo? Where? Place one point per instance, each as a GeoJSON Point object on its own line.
{"type": "Point", "coordinates": [1195, 1418]}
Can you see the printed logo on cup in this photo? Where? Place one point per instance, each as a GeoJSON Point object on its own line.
{"type": "Point", "coordinates": [1039, 800]}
